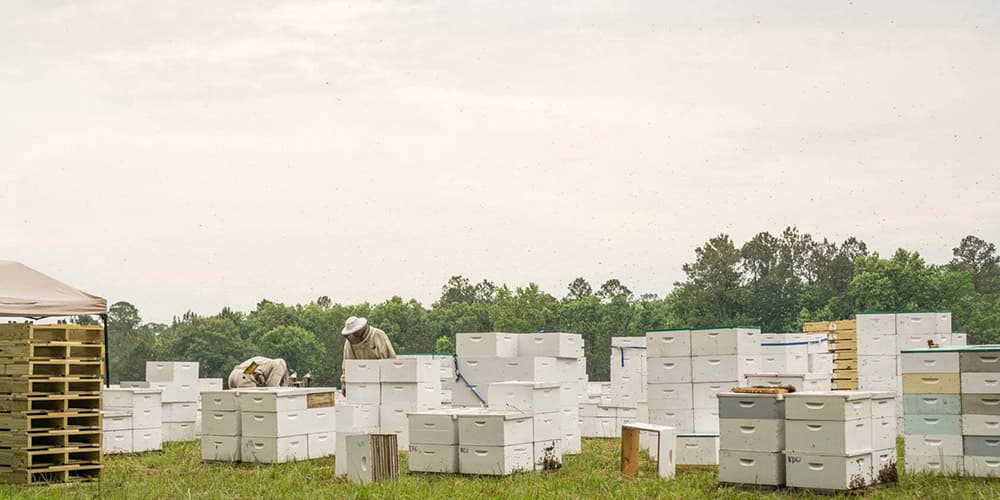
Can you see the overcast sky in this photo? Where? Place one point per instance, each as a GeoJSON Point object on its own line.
{"type": "Point", "coordinates": [191, 157]}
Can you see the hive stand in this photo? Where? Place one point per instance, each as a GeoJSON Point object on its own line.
{"type": "Point", "coordinates": [666, 440]}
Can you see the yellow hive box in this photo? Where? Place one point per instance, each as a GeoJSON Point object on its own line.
{"type": "Point", "coordinates": [932, 383]}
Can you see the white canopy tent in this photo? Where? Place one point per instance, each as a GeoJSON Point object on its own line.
{"type": "Point", "coordinates": [27, 293]}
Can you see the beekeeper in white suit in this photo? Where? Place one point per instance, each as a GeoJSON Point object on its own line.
{"type": "Point", "coordinates": [363, 341]}
{"type": "Point", "coordinates": [259, 371]}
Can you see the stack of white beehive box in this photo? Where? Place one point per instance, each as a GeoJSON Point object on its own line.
{"type": "Point", "coordinates": [752, 439]}
{"type": "Point", "coordinates": [179, 382]}
{"type": "Point", "coordinates": [221, 425]}
{"type": "Point", "coordinates": [789, 359]}
{"type": "Point", "coordinates": [283, 424]}
{"type": "Point", "coordinates": [981, 410]}
{"type": "Point", "coordinates": [486, 358]}
{"type": "Point", "coordinates": [132, 420]}
{"type": "Point", "coordinates": [883, 335]}
{"type": "Point", "coordinates": [447, 372]}
{"type": "Point", "coordinates": [205, 385]}
{"type": "Point", "coordinates": [543, 402]}
{"type": "Point", "coordinates": [692, 367]}
{"type": "Point", "coordinates": [628, 371]}
{"type": "Point", "coordinates": [407, 385]}
{"type": "Point", "coordinates": [839, 440]}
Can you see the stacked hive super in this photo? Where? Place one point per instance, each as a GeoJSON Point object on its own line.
{"type": "Point", "coordinates": [752, 438]}
{"type": "Point", "coordinates": [50, 402]}
{"type": "Point", "coordinates": [952, 405]}
{"type": "Point", "coordinates": [447, 364]}
{"type": "Point", "coordinates": [133, 420]}
{"type": "Point", "coordinates": [687, 369]}
{"type": "Point", "coordinates": [407, 385]}
{"type": "Point", "coordinates": [179, 382]}
{"type": "Point", "coordinates": [842, 344]}
{"type": "Point", "coordinates": [268, 425]}
{"type": "Point", "coordinates": [205, 385]}
{"type": "Point", "coordinates": [487, 358]}
{"type": "Point", "coordinates": [840, 440]}
{"type": "Point", "coordinates": [605, 406]}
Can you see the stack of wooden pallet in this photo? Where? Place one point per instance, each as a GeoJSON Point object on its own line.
{"type": "Point", "coordinates": [50, 402]}
{"type": "Point", "coordinates": [843, 340]}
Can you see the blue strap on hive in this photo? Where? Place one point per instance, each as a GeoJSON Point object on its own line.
{"type": "Point", "coordinates": [459, 376]}
{"type": "Point", "coordinates": [622, 348]}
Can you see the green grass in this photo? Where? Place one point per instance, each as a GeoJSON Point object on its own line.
{"type": "Point", "coordinates": [178, 473]}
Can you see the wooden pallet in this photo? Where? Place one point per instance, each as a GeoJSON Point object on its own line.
{"type": "Point", "coordinates": [31, 351]}
{"type": "Point", "coordinates": [845, 384]}
{"type": "Point", "coordinates": [51, 385]}
{"type": "Point", "coordinates": [49, 403]}
{"type": "Point", "coordinates": [51, 368]}
{"type": "Point", "coordinates": [845, 364]}
{"type": "Point", "coordinates": [70, 420]}
{"type": "Point", "coordinates": [63, 438]}
{"type": "Point", "coordinates": [49, 333]}
{"type": "Point", "coordinates": [50, 457]}
{"type": "Point", "coordinates": [843, 346]}
{"type": "Point", "coordinates": [845, 335]}
{"type": "Point", "coordinates": [56, 474]}
{"type": "Point", "coordinates": [829, 326]}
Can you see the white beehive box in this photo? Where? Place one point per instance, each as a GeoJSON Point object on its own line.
{"type": "Point", "coordinates": [274, 449]}
{"type": "Point", "coordinates": [131, 398]}
{"type": "Point", "coordinates": [959, 339]}
{"type": "Point", "coordinates": [220, 448]}
{"type": "Point", "coordinates": [670, 396]}
{"type": "Point", "coordinates": [917, 323]}
{"type": "Point", "coordinates": [422, 369]}
{"type": "Point", "coordinates": [802, 382]}
{"type": "Point", "coordinates": [706, 394]}
{"type": "Point", "coordinates": [441, 458]}
{"type": "Point", "coordinates": [287, 423]}
{"type": "Point", "coordinates": [695, 449]}
{"type": "Point", "coordinates": [527, 397]}
{"type": "Point", "coordinates": [177, 392]}
{"type": "Point", "coordinates": [706, 421]}
{"type": "Point", "coordinates": [821, 363]}
{"type": "Point", "coordinates": [930, 362]}
{"type": "Point", "coordinates": [220, 400]}
{"type": "Point", "coordinates": [982, 466]}
{"type": "Point", "coordinates": [365, 371]}
{"type": "Point", "coordinates": [833, 405]}
{"type": "Point", "coordinates": [752, 434]}
{"type": "Point", "coordinates": [411, 395]}
{"type": "Point", "coordinates": [503, 345]}
{"type": "Point", "coordinates": [877, 345]}
{"type": "Point", "coordinates": [829, 472]}
{"type": "Point", "coordinates": [178, 431]}
{"type": "Point", "coordinates": [364, 393]}
{"type": "Point", "coordinates": [932, 445]}
{"type": "Point", "coordinates": [672, 370]}
{"type": "Point", "coordinates": [725, 341]}
{"type": "Point", "coordinates": [394, 421]}
{"type": "Point", "coordinates": [480, 371]}
{"type": "Point", "coordinates": [221, 423]}
{"type": "Point", "coordinates": [913, 341]}
{"type": "Point", "coordinates": [668, 343]}
{"type": "Point", "coordinates": [116, 420]}
{"type": "Point", "coordinates": [752, 467]}
{"type": "Point", "coordinates": [119, 441]}
{"type": "Point", "coordinates": [547, 426]}
{"type": "Point", "coordinates": [876, 367]}
{"type": "Point", "coordinates": [496, 460]}
{"type": "Point", "coordinates": [434, 427]}
{"type": "Point", "coordinates": [172, 371]}
{"type": "Point", "coordinates": [934, 464]}
{"type": "Point", "coordinates": [179, 412]}
{"type": "Point", "coordinates": [571, 394]}
{"type": "Point", "coordinates": [681, 419]}
{"type": "Point", "coordinates": [144, 440]}
{"type": "Point", "coordinates": [553, 344]}
{"type": "Point", "coordinates": [884, 405]}
{"type": "Point", "coordinates": [981, 425]}
{"type": "Point", "coordinates": [321, 444]}
{"type": "Point", "coordinates": [876, 324]}
{"type": "Point", "coordinates": [285, 399]}
{"type": "Point", "coordinates": [723, 368]}
{"type": "Point", "coordinates": [147, 418]}
{"type": "Point", "coordinates": [834, 437]}
{"type": "Point", "coordinates": [495, 428]}
{"type": "Point", "coordinates": [818, 343]}
{"type": "Point", "coordinates": [209, 384]}
{"type": "Point", "coordinates": [782, 359]}
{"type": "Point", "coordinates": [980, 383]}
{"type": "Point", "coordinates": [884, 433]}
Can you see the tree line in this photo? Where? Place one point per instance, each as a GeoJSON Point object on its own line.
{"type": "Point", "coordinates": [775, 281]}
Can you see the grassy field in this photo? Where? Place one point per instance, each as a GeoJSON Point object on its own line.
{"type": "Point", "coordinates": [178, 473]}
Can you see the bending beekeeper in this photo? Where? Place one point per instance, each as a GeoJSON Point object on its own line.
{"type": "Point", "coordinates": [363, 341]}
{"type": "Point", "coordinates": [259, 371]}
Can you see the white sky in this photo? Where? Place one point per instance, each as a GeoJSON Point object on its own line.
{"type": "Point", "coordinates": [201, 154]}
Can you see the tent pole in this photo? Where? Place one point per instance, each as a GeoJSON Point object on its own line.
{"type": "Point", "coordinates": [107, 364]}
